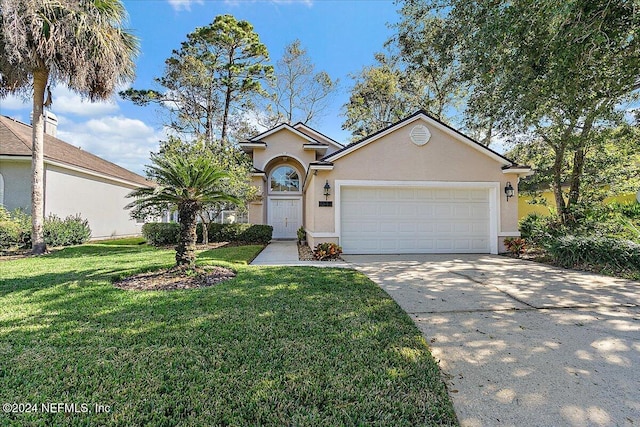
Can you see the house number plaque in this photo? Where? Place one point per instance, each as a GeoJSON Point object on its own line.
{"type": "Point", "coordinates": [324, 204]}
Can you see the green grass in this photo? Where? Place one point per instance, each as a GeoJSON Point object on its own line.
{"type": "Point", "coordinates": [124, 241]}
{"type": "Point", "coordinates": [274, 346]}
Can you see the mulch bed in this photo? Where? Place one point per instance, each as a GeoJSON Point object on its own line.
{"type": "Point", "coordinates": [305, 253]}
{"type": "Point", "coordinates": [176, 278]}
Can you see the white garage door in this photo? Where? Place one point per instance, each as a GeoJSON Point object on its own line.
{"type": "Point", "coordinates": [395, 220]}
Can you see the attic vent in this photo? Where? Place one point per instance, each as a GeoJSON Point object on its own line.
{"type": "Point", "coordinates": [420, 135]}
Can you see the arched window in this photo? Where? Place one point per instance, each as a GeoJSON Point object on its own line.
{"type": "Point", "coordinates": [1, 190]}
{"type": "Point", "coordinates": [285, 178]}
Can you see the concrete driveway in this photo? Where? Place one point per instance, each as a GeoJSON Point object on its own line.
{"type": "Point", "coordinates": [520, 343]}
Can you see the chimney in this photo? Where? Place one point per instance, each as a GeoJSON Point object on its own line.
{"type": "Point", "coordinates": [50, 123]}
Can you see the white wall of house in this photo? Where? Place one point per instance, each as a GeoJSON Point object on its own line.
{"type": "Point", "coordinates": [16, 176]}
{"type": "Point", "coordinates": [101, 201]}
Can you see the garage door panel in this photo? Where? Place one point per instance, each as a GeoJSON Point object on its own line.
{"type": "Point", "coordinates": [414, 220]}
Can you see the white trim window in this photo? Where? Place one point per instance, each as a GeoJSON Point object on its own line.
{"type": "Point", "coordinates": [1, 190]}
{"type": "Point", "coordinates": [284, 179]}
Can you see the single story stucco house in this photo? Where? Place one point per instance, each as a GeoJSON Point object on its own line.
{"type": "Point", "coordinates": [75, 181]}
{"type": "Point", "coordinates": [417, 186]}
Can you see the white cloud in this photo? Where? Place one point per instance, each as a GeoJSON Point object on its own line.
{"type": "Point", "coordinates": [118, 139]}
{"type": "Point", "coordinates": [66, 101]}
{"type": "Point", "coordinates": [183, 4]}
{"type": "Point", "coordinates": [14, 102]}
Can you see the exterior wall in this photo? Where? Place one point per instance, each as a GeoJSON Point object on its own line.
{"type": "Point", "coordinates": [17, 184]}
{"type": "Point", "coordinates": [331, 148]}
{"type": "Point", "coordinates": [283, 143]}
{"type": "Point", "coordinates": [394, 157]}
{"type": "Point", "coordinates": [256, 208]}
{"type": "Point", "coordinates": [98, 200]}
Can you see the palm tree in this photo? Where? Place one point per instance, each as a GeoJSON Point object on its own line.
{"type": "Point", "coordinates": [81, 44]}
{"type": "Point", "coordinates": [187, 182]}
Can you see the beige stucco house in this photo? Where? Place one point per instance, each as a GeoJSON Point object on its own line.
{"type": "Point", "coordinates": [417, 186]}
{"type": "Point", "coordinates": [76, 182]}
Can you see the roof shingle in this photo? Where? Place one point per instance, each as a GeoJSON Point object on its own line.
{"type": "Point", "coordinates": [15, 140]}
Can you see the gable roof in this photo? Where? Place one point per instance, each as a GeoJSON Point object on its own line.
{"type": "Point", "coordinates": [16, 141]}
{"type": "Point", "coordinates": [280, 127]}
{"type": "Point", "coordinates": [314, 132]}
{"type": "Point", "coordinates": [421, 114]}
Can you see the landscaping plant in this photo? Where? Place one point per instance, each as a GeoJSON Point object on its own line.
{"type": "Point", "coordinates": [515, 245]}
{"type": "Point", "coordinates": [187, 183]}
{"type": "Point", "coordinates": [326, 251]}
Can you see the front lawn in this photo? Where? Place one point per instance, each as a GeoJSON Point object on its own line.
{"type": "Point", "coordinates": [274, 346]}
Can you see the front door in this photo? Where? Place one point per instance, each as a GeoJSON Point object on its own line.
{"type": "Point", "coordinates": [285, 216]}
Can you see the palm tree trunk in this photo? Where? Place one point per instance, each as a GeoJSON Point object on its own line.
{"type": "Point", "coordinates": [186, 250]}
{"type": "Point", "coordinates": [38, 246]}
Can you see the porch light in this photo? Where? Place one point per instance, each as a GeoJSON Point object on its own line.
{"type": "Point", "coordinates": [327, 190]}
{"type": "Point", "coordinates": [508, 190]}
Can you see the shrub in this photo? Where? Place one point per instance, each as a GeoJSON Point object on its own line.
{"type": "Point", "coordinates": [10, 233]}
{"type": "Point", "coordinates": [571, 251]}
{"type": "Point", "coordinates": [515, 245]}
{"type": "Point", "coordinates": [630, 209]}
{"type": "Point", "coordinates": [302, 235]}
{"type": "Point", "coordinates": [244, 233]}
{"type": "Point", "coordinates": [255, 233]}
{"type": "Point", "coordinates": [73, 230]}
{"type": "Point", "coordinates": [161, 233]}
{"type": "Point", "coordinates": [326, 250]}
{"type": "Point", "coordinates": [4, 214]}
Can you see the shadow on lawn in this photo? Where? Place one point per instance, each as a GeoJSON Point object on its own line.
{"type": "Point", "coordinates": [304, 342]}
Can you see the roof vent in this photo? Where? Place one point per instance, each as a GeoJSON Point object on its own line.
{"type": "Point", "coordinates": [420, 135]}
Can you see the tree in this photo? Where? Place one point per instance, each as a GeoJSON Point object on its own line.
{"type": "Point", "coordinates": [188, 183]}
{"type": "Point", "coordinates": [548, 71]}
{"type": "Point", "coordinates": [298, 93]}
{"type": "Point", "coordinates": [377, 99]}
{"type": "Point", "coordinates": [237, 183]}
{"type": "Point", "coordinates": [427, 46]}
{"type": "Point", "coordinates": [45, 42]}
{"type": "Point", "coordinates": [215, 72]}
{"type": "Point", "coordinates": [611, 163]}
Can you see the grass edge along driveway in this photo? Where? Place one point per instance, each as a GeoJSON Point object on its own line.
{"type": "Point", "coordinates": [274, 346]}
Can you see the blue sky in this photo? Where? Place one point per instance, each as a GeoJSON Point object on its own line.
{"type": "Point", "coordinates": [341, 36]}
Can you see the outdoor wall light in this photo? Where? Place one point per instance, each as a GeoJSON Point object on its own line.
{"type": "Point", "coordinates": [327, 190]}
{"type": "Point", "coordinates": [508, 190]}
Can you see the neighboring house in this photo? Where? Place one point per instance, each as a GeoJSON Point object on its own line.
{"type": "Point", "coordinates": [418, 186]}
{"type": "Point", "coordinates": [75, 181]}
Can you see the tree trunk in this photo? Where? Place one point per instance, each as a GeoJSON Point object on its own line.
{"type": "Point", "coordinates": [576, 176]}
{"type": "Point", "coordinates": [578, 162]}
{"type": "Point", "coordinates": [557, 181]}
{"type": "Point", "coordinates": [38, 246]}
{"type": "Point", "coordinates": [186, 249]}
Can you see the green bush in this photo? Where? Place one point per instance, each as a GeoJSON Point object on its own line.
{"type": "Point", "coordinates": [256, 233]}
{"type": "Point", "coordinates": [244, 233]}
{"type": "Point", "coordinates": [630, 209]}
{"type": "Point", "coordinates": [73, 230]}
{"type": "Point", "coordinates": [161, 233]}
{"type": "Point", "coordinates": [10, 233]}
{"type": "Point", "coordinates": [572, 251]}
{"type": "Point", "coordinates": [4, 214]}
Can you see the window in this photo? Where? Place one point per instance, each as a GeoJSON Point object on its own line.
{"type": "Point", "coordinates": [285, 178]}
{"type": "Point", "coordinates": [1, 190]}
